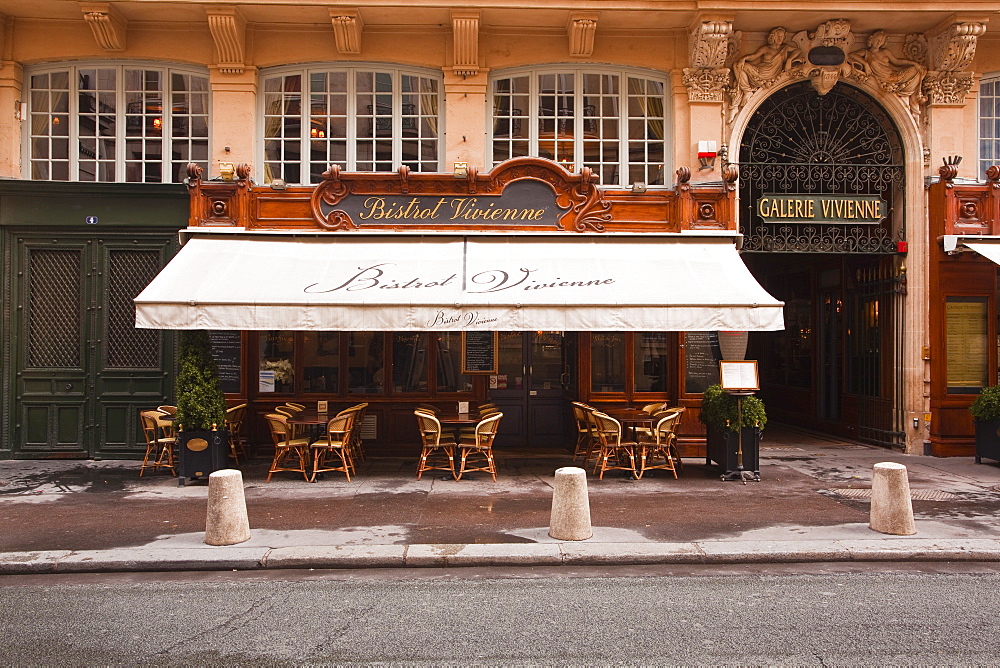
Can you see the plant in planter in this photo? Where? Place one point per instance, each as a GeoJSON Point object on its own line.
{"type": "Point", "coordinates": [985, 411]}
{"type": "Point", "coordinates": [734, 427]}
{"type": "Point", "coordinates": [202, 440]}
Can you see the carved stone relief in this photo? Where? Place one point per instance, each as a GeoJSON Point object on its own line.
{"type": "Point", "coordinates": [930, 70]}
{"type": "Point", "coordinates": [712, 45]}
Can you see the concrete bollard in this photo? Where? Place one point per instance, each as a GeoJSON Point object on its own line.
{"type": "Point", "coordinates": [892, 510]}
{"type": "Point", "coordinates": [570, 518]}
{"type": "Point", "coordinates": [227, 522]}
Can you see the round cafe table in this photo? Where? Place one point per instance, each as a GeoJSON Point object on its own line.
{"type": "Point", "coordinates": [631, 418]}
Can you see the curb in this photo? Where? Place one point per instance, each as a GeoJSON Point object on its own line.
{"type": "Point", "coordinates": [234, 557]}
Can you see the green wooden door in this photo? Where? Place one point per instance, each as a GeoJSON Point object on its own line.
{"type": "Point", "coordinates": [83, 371]}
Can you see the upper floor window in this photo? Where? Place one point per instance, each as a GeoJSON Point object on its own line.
{"type": "Point", "coordinates": [364, 119]}
{"type": "Point", "coordinates": [989, 123]}
{"type": "Point", "coordinates": [612, 121]}
{"type": "Point", "coordinates": [132, 123]}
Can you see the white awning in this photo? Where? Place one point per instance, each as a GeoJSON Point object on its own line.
{"type": "Point", "coordinates": [990, 251]}
{"type": "Point", "coordinates": [451, 282]}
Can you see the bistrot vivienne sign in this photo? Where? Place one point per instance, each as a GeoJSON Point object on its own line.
{"type": "Point", "coordinates": [863, 209]}
{"type": "Point", "coordinates": [522, 203]}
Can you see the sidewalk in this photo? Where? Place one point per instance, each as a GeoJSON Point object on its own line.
{"type": "Point", "coordinates": [810, 505]}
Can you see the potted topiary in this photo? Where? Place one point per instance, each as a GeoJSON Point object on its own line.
{"type": "Point", "coordinates": [985, 411]}
{"type": "Point", "coordinates": [202, 440]}
{"type": "Point", "coordinates": [734, 425]}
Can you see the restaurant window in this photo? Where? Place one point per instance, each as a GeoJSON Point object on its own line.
{"type": "Point", "coordinates": [607, 362]}
{"type": "Point", "coordinates": [366, 363]}
{"type": "Point", "coordinates": [449, 364]}
{"type": "Point", "coordinates": [409, 362]}
{"type": "Point", "coordinates": [321, 362]}
{"type": "Point", "coordinates": [277, 361]}
{"type": "Point", "coordinates": [612, 121]}
{"type": "Point", "coordinates": [649, 362]}
{"type": "Point", "coordinates": [989, 122]}
{"type": "Point", "coordinates": [631, 362]}
{"type": "Point", "coordinates": [122, 123]}
{"type": "Point", "coordinates": [364, 119]}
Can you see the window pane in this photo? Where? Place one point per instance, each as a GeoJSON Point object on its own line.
{"type": "Point", "coordinates": [650, 360]}
{"type": "Point", "coordinates": [276, 361]}
{"type": "Point", "coordinates": [366, 363]}
{"type": "Point", "coordinates": [607, 362]}
{"type": "Point", "coordinates": [409, 362]}
{"type": "Point", "coordinates": [321, 362]}
{"type": "Point", "coordinates": [449, 364]}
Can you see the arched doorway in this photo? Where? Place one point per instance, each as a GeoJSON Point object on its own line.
{"type": "Point", "coordinates": [822, 211]}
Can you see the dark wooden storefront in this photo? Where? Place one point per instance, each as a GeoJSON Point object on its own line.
{"type": "Point", "coordinates": [539, 372]}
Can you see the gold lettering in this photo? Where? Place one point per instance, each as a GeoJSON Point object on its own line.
{"type": "Point", "coordinates": [810, 212]}
{"type": "Point", "coordinates": [762, 207]}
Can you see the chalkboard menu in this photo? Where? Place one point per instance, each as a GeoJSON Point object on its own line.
{"type": "Point", "coordinates": [479, 352]}
{"type": "Point", "coordinates": [701, 357]}
{"type": "Point", "coordinates": [226, 351]}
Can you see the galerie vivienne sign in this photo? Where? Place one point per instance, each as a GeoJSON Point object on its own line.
{"type": "Point", "coordinates": [522, 203]}
{"type": "Point", "coordinates": [863, 209]}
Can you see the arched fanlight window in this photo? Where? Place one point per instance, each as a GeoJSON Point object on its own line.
{"type": "Point", "coordinates": [365, 119]}
{"type": "Point", "coordinates": [127, 122]}
{"type": "Point", "coordinates": [613, 121]}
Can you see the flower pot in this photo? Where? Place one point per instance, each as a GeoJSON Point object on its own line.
{"type": "Point", "coordinates": [723, 449]}
{"type": "Point", "coordinates": [200, 453]}
{"type": "Point", "coordinates": [987, 439]}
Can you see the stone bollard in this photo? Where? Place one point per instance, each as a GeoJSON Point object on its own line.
{"type": "Point", "coordinates": [570, 518]}
{"type": "Point", "coordinates": [892, 510]}
{"type": "Point", "coordinates": [227, 522]}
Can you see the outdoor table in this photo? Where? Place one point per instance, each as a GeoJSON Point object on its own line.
{"type": "Point", "coordinates": [314, 421]}
{"type": "Point", "coordinates": [631, 418]}
{"type": "Point", "coordinates": [455, 422]}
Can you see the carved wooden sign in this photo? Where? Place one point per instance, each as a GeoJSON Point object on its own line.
{"type": "Point", "coordinates": [526, 193]}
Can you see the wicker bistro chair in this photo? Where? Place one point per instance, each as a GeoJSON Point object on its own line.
{"type": "Point", "coordinates": [661, 451]}
{"type": "Point", "coordinates": [356, 444]}
{"type": "Point", "coordinates": [169, 410]}
{"type": "Point", "coordinates": [237, 441]}
{"type": "Point", "coordinates": [584, 430]}
{"type": "Point", "coordinates": [290, 454]}
{"type": "Point", "coordinates": [159, 442]}
{"type": "Point", "coordinates": [333, 451]}
{"type": "Point", "coordinates": [614, 453]}
{"type": "Point", "coordinates": [436, 445]}
{"type": "Point", "coordinates": [479, 444]}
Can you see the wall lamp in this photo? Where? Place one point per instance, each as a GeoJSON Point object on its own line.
{"type": "Point", "coordinates": [638, 187]}
{"type": "Point", "coordinates": [707, 150]}
{"type": "Point", "coordinates": [461, 170]}
{"type": "Point", "coordinates": [277, 184]}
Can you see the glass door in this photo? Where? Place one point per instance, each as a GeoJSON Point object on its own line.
{"type": "Point", "coordinates": [530, 388]}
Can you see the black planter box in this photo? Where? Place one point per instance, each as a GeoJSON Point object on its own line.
{"type": "Point", "coordinates": [201, 453]}
{"type": "Point", "coordinates": [987, 439]}
{"type": "Point", "coordinates": [723, 450]}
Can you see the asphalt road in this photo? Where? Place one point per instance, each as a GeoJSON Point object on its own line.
{"type": "Point", "coordinates": [475, 618]}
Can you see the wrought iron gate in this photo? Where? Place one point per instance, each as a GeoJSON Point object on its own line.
{"type": "Point", "coordinates": [803, 157]}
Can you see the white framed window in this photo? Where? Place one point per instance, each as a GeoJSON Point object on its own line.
{"type": "Point", "coordinates": [611, 120]}
{"type": "Point", "coordinates": [989, 122]}
{"type": "Point", "coordinates": [128, 122]}
{"type": "Point", "coordinates": [364, 118]}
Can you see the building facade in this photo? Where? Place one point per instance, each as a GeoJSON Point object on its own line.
{"type": "Point", "coordinates": [835, 123]}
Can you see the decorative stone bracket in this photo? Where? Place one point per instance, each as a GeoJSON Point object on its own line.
{"type": "Point", "coordinates": [228, 28]}
{"type": "Point", "coordinates": [465, 31]}
{"type": "Point", "coordinates": [347, 29]}
{"type": "Point", "coordinates": [581, 29]}
{"type": "Point", "coordinates": [109, 27]}
{"type": "Point", "coordinates": [711, 45]}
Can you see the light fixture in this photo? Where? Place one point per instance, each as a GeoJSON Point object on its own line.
{"type": "Point", "coordinates": [707, 150]}
{"type": "Point", "coordinates": [157, 123]}
{"type": "Point", "coordinates": [461, 170]}
{"type": "Point", "coordinates": [277, 184]}
{"type": "Point", "coordinates": [227, 171]}
{"type": "Point", "coordinates": [316, 133]}
{"type": "Point", "coordinates": [638, 187]}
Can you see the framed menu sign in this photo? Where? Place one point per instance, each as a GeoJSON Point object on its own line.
{"type": "Point", "coordinates": [227, 349]}
{"type": "Point", "coordinates": [479, 352]}
{"type": "Point", "coordinates": [738, 375]}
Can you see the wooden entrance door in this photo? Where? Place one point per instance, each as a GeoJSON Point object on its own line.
{"type": "Point", "coordinates": [534, 374]}
{"type": "Point", "coordinates": [82, 370]}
